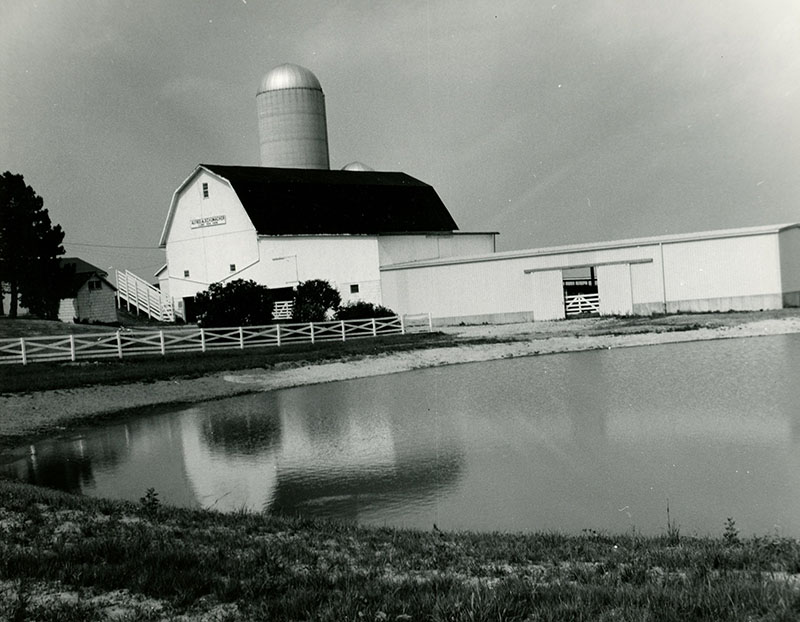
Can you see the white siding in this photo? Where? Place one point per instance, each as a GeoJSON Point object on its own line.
{"type": "Point", "coordinates": [722, 274]}
{"type": "Point", "coordinates": [614, 287]}
{"type": "Point", "coordinates": [96, 305]}
{"type": "Point", "coordinates": [790, 260]}
{"type": "Point", "coordinates": [207, 252]}
{"type": "Point", "coordinates": [395, 249]}
{"type": "Point", "coordinates": [340, 260]}
{"type": "Point", "coordinates": [548, 295]}
{"type": "Point", "coordinates": [67, 311]}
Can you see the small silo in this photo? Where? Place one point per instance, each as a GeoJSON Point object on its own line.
{"type": "Point", "coordinates": [292, 129]}
{"type": "Point", "coordinates": [357, 166]}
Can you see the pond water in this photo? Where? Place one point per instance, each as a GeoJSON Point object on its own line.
{"type": "Point", "coordinates": [600, 440]}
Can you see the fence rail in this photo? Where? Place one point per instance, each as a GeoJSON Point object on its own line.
{"type": "Point", "coordinates": [124, 343]}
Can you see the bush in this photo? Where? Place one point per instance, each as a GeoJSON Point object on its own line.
{"type": "Point", "coordinates": [237, 303]}
{"type": "Point", "coordinates": [362, 310]}
{"type": "Point", "coordinates": [313, 299]}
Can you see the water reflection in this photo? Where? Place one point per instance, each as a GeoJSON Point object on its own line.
{"type": "Point", "coordinates": [598, 440]}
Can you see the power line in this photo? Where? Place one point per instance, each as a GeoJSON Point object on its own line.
{"type": "Point", "coordinates": [141, 248]}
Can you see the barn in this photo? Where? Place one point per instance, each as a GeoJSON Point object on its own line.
{"type": "Point", "coordinates": [281, 226]}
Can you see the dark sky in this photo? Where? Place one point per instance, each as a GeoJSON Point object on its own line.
{"type": "Point", "coordinates": [550, 122]}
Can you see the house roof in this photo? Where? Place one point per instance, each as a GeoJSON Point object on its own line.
{"type": "Point", "coordinates": [83, 271]}
{"type": "Point", "coordinates": [81, 265]}
{"type": "Point", "coordinates": [287, 201]}
{"type": "Point", "coordinates": [675, 238]}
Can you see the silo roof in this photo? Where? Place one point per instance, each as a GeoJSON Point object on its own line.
{"type": "Point", "coordinates": [288, 201]}
{"type": "Point", "coordinates": [289, 76]}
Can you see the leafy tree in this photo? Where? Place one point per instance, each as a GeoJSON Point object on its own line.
{"type": "Point", "coordinates": [29, 249]}
{"type": "Point", "coordinates": [362, 310]}
{"type": "Point", "coordinates": [237, 303]}
{"type": "Point", "coordinates": [313, 300]}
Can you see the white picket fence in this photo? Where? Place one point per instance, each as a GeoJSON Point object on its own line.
{"type": "Point", "coordinates": [189, 339]}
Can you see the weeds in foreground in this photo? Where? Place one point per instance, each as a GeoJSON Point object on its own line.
{"type": "Point", "coordinates": [731, 534]}
{"type": "Point", "coordinates": [673, 529]}
{"type": "Point", "coordinates": [249, 566]}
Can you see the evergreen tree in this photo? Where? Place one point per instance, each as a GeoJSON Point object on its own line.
{"type": "Point", "coordinates": [29, 249]}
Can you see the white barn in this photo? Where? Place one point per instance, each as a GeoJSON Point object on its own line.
{"type": "Point", "coordinates": [280, 226]}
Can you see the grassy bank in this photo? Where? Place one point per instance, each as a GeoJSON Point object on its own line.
{"type": "Point", "coordinates": [48, 376]}
{"type": "Point", "coordinates": [71, 558]}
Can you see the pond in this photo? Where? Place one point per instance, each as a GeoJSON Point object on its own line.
{"type": "Point", "coordinates": [602, 440]}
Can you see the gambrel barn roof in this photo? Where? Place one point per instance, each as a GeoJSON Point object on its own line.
{"type": "Point", "coordinates": [286, 201]}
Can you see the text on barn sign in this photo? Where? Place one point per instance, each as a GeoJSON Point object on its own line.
{"type": "Point", "coordinates": [209, 221]}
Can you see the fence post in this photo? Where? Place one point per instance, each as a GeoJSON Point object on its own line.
{"type": "Point", "coordinates": [311, 325]}
{"type": "Point", "coordinates": [161, 337]}
{"type": "Point", "coordinates": [72, 348]}
{"type": "Point", "coordinates": [402, 324]}
{"type": "Point", "coordinates": [278, 334]}
{"type": "Point", "coordinates": [374, 328]}
{"type": "Point", "coordinates": [136, 294]}
{"type": "Point", "coordinates": [202, 340]}
{"type": "Point", "coordinates": [119, 345]}
{"type": "Point", "coordinates": [343, 339]}
{"type": "Point", "coordinates": [241, 338]}
{"type": "Point", "coordinates": [22, 351]}
{"type": "Point", "coordinates": [430, 322]}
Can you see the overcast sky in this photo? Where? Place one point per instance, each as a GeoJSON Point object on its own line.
{"type": "Point", "coordinates": [550, 122]}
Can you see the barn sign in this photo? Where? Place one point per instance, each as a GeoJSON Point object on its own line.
{"type": "Point", "coordinates": [208, 221]}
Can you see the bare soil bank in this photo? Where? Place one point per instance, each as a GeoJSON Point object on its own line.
{"type": "Point", "coordinates": [42, 412]}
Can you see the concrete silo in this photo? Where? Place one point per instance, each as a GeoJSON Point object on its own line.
{"type": "Point", "coordinates": [292, 128]}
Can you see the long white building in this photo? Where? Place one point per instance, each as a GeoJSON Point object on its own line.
{"type": "Point", "coordinates": [736, 269]}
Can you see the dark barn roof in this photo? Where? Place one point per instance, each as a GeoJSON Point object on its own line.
{"type": "Point", "coordinates": [287, 201]}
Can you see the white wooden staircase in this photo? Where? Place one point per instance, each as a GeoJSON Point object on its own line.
{"type": "Point", "coordinates": [134, 291]}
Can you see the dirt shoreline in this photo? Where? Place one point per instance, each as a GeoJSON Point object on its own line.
{"type": "Point", "coordinates": [32, 414]}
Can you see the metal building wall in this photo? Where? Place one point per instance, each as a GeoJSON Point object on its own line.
{"type": "Point", "coordinates": [721, 274]}
{"type": "Point", "coordinates": [789, 241]}
{"type": "Point", "coordinates": [614, 287]}
{"type": "Point", "coordinates": [720, 271]}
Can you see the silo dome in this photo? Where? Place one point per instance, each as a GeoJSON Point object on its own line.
{"type": "Point", "coordinates": [357, 166]}
{"type": "Point", "coordinates": [289, 76]}
{"type": "Point", "coordinates": [292, 128]}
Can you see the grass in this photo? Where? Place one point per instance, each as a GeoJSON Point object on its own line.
{"type": "Point", "coordinates": [149, 368]}
{"type": "Point", "coordinates": [254, 567]}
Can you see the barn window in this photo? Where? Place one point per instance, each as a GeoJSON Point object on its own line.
{"type": "Point", "coordinates": [233, 267]}
{"type": "Point", "coordinates": [95, 285]}
{"type": "Point", "coordinates": [205, 190]}
{"type": "Point", "coordinates": [354, 288]}
{"type": "Point", "coordinates": [186, 274]}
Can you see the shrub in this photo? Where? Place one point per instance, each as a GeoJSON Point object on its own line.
{"type": "Point", "coordinates": [237, 303]}
{"type": "Point", "coordinates": [313, 299]}
{"type": "Point", "coordinates": [362, 310]}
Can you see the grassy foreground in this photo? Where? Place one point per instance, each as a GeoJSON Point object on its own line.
{"type": "Point", "coordinates": [65, 557]}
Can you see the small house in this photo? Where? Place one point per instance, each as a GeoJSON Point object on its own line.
{"type": "Point", "coordinates": [88, 294]}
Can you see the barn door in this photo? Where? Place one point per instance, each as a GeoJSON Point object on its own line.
{"type": "Point", "coordinates": [548, 295]}
{"type": "Point", "coordinates": [614, 287]}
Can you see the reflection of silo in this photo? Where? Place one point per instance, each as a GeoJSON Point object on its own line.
{"type": "Point", "coordinates": [292, 128]}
